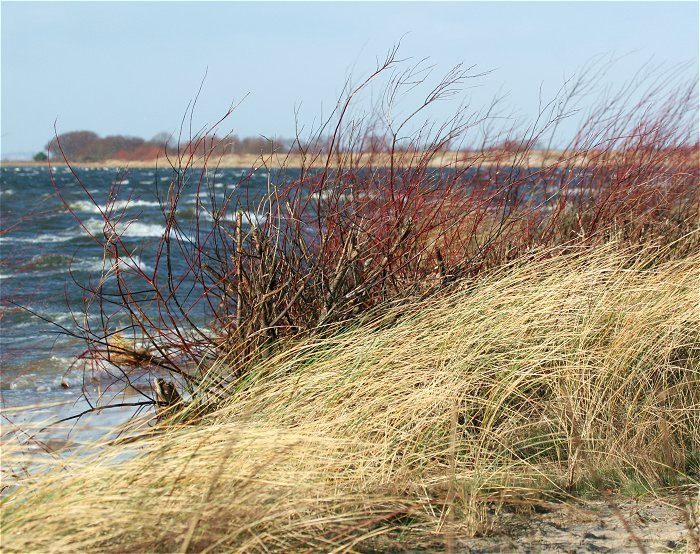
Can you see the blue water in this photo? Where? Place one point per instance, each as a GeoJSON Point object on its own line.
{"type": "Point", "coordinates": [46, 258]}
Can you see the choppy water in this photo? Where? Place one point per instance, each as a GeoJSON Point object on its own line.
{"type": "Point", "coordinates": [45, 255]}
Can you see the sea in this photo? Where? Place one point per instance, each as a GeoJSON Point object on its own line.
{"type": "Point", "coordinates": [48, 218]}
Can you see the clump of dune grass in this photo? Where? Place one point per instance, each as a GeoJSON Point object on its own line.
{"type": "Point", "coordinates": [552, 376]}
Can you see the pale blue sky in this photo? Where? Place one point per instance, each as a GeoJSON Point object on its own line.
{"type": "Point", "coordinates": [131, 67]}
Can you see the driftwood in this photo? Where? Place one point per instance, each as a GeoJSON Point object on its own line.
{"type": "Point", "coordinates": [167, 397]}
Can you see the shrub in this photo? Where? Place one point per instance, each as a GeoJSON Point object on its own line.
{"type": "Point", "coordinates": [376, 216]}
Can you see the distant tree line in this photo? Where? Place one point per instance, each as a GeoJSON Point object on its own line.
{"type": "Point", "coordinates": [87, 146]}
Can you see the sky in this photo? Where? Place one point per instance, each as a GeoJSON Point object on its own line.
{"type": "Point", "coordinates": [132, 67]}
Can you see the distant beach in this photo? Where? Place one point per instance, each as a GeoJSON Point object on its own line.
{"type": "Point", "coordinates": [532, 158]}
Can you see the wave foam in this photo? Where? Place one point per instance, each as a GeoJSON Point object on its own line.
{"type": "Point", "coordinates": [133, 228]}
{"type": "Point", "coordinates": [85, 206]}
{"type": "Point", "coordinates": [87, 265]}
{"type": "Point", "coordinates": [41, 239]}
{"type": "Point", "coordinates": [230, 217]}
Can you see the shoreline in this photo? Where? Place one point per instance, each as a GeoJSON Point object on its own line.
{"type": "Point", "coordinates": [533, 159]}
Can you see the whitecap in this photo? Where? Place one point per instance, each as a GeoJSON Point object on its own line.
{"type": "Point", "coordinates": [138, 229]}
{"type": "Point", "coordinates": [132, 228]}
{"type": "Point", "coordinates": [133, 263]}
{"type": "Point", "coordinates": [86, 206]}
{"type": "Point", "coordinates": [41, 239]}
{"type": "Point", "coordinates": [87, 265]}
{"type": "Point", "coordinates": [230, 217]}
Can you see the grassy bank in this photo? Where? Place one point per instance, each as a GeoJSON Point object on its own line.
{"type": "Point", "coordinates": [551, 378]}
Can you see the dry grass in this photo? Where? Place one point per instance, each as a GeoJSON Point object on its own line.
{"type": "Point", "coordinates": [415, 428]}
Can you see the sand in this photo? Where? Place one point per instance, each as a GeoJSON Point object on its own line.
{"type": "Point", "coordinates": [620, 525]}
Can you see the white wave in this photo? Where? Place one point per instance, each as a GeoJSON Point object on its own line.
{"type": "Point", "coordinates": [87, 265]}
{"type": "Point", "coordinates": [138, 229]}
{"type": "Point", "coordinates": [203, 196]}
{"type": "Point", "coordinates": [99, 265]}
{"type": "Point", "coordinates": [251, 217]}
{"type": "Point", "coordinates": [8, 192]}
{"type": "Point", "coordinates": [132, 228]}
{"type": "Point", "coordinates": [41, 239]}
{"type": "Point", "coordinates": [135, 263]}
{"type": "Point", "coordinates": [65, 317]}
{"type": "Point", "coordinates": [85, 206]}
{"type": "Point", "coordinates": [230, 217]}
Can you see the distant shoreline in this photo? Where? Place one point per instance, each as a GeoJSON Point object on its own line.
{"type": "Point", "coordinates": [534, 158]}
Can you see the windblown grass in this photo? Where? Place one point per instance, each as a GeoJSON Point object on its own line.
{"type": "Point", "coordinates": [416, 428]}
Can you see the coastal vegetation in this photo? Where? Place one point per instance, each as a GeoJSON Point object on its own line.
{"type": "Point", "coordinates": [543, 381]}
{"type": "Point", "coordinates": [401, 342]}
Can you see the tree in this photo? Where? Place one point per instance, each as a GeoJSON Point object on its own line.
{"type": "Point", "coordinates": [163, 139]}
{"type": "Point", "coordinates": [40, 157]}
{"type": "Point", "coordinates": [75, 144]}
